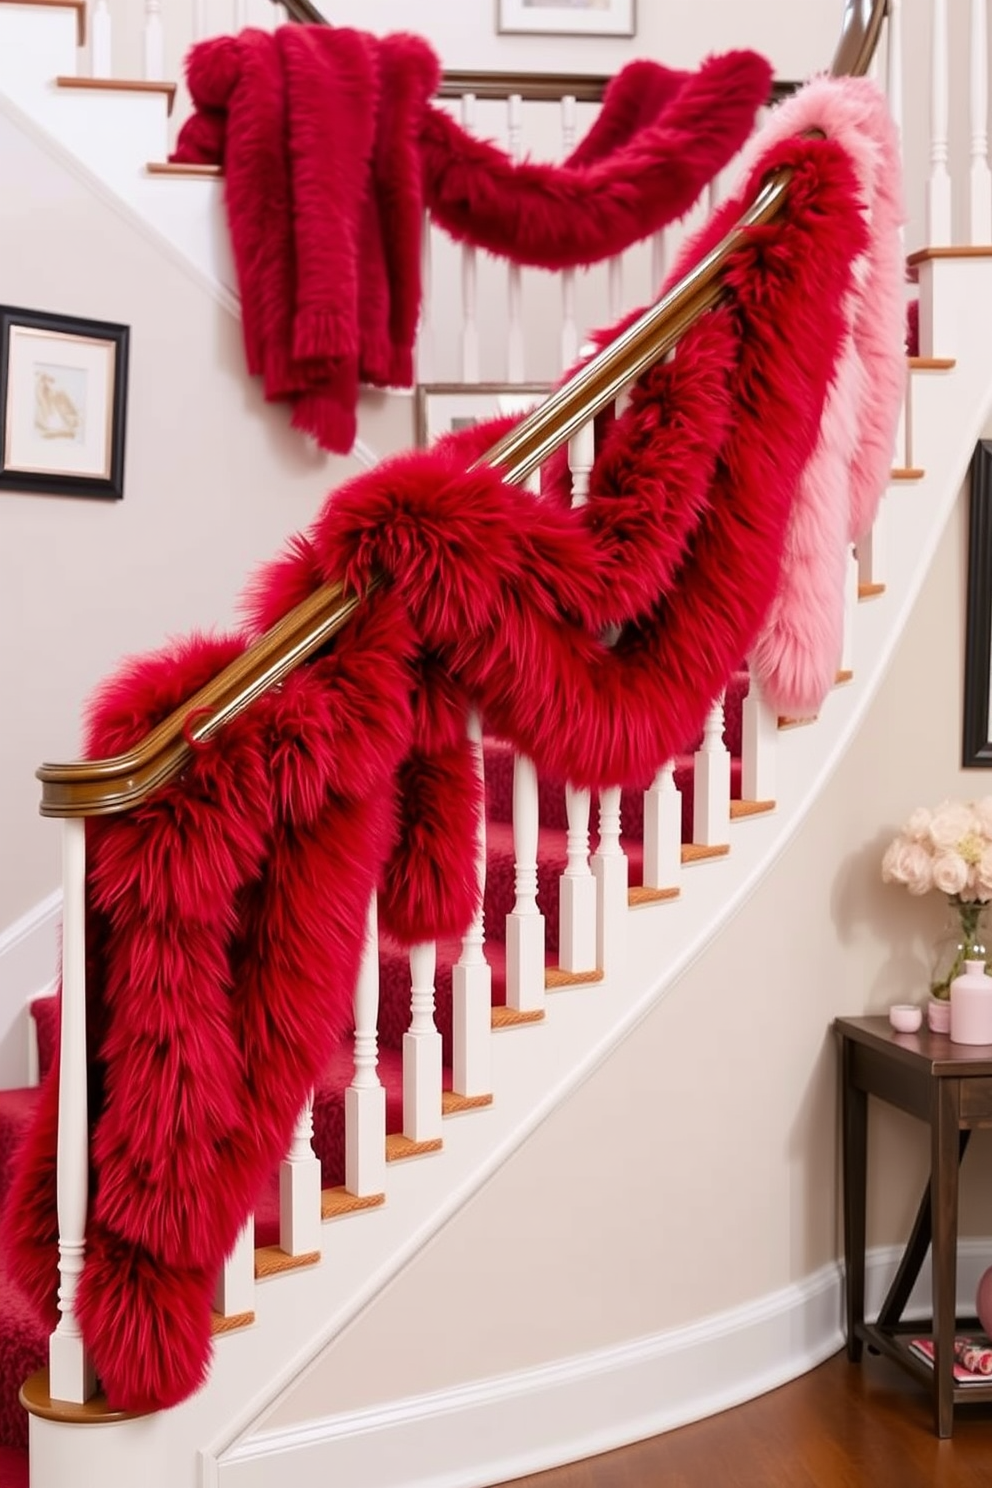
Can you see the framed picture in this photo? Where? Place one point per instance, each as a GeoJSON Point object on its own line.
{"type": "Point", "coordinates": [565, 17]}
{"type": "Point", "coordinates": [63, 402]}
{"type": "Point", "coordinates": [446, 407]}
{"type": "Point", "coordinates": [976, 749]}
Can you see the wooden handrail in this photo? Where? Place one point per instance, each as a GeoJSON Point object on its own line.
{"type": "Point", "coordinates": [108, 786]}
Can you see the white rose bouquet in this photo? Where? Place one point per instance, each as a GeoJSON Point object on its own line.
{"type": "Point", "coordinates": [948, 849]}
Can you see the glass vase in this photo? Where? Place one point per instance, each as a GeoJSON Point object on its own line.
{"type": "Point", "coordinates": [964, 938]}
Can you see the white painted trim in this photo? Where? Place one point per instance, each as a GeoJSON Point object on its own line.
{"type": "Point", "coordinates": [543, 1417]}
{"type": "Point", "coordinates": [29, 950]}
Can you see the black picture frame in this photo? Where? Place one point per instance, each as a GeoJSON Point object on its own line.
{"type": "Point", "coordinates": [63, 404]}
{"type": "Point", "coordinates": [976, 752]}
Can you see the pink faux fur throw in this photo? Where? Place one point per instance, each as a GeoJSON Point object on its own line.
{"type": "Point", "coordinates": [797, 654]}
{"type": "Point", "coordinates": [226, 915]}
{"type": "Point", "coordinates": [331, 151]}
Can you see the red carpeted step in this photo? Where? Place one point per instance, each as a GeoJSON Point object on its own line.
{"type": "Point", "coordinates": [23, 1350]}
{"type": "Point", "coordinates": [13, 1468]}
{"type": "Point", "coordinates": [16, 1112]}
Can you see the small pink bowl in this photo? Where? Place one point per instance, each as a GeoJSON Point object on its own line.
{"type": "Point", "coordinates": [905, 1017]}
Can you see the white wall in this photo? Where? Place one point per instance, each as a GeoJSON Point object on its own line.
{"type": "Point", "coordinates": [215, 482]}
{"type": "Point", "coordinates": [697, 1168]}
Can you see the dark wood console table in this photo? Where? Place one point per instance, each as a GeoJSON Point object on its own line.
{"type": "Point", "coordinates": [949, 1086]}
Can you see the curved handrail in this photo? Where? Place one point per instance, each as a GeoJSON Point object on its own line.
{"type": "Point", "coordinates": [108, 786]}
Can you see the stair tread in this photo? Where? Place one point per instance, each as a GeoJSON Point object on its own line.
{"type": "Point", "coordinates": [121, 85]}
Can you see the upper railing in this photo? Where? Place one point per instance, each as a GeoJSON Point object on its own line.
{"type": "Point", "coordinates": [107, 786]}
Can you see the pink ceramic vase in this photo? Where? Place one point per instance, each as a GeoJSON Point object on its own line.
{"type": "Point", "coordinates": [971, 1005]}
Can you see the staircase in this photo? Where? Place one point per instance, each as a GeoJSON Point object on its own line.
{"type": "Point", "coordinates": [538, 1053]}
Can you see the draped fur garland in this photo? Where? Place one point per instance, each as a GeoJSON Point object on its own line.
{"type": "Point", "coordinates": [226, 915]}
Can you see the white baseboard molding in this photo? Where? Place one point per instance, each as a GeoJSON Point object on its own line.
{"type": "Point", "coordinates": [498, 1429]}
{"type": "Point", "coordinates": [29, 951]}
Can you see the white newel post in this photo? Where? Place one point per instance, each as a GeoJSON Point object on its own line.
{"type": "Point", "coordinates": [609, 865]}
{"type": "Point", "coordinates": [70, 1371]}
{"type": "Point", "coordinates": [422, 1051]}
{"type": "Point", "coordinates": [470, 325]}
{"type": "Point", "coordinates": [939, 184]}
{"type": "Point", "coordinates": [759, 744]}
{"type": "Point", "coordinates": [850, 612]}
{"type": "Point", "coordinates": [514, 283]}
{"type": "Point", "coordinates": [577, 893]}
{"type": "Point", "coordinates": [980, 203]}
{"type": "Point", "coordinates": [365, 1098]}
{"type": "Point", "coordinates": [235, 1294]}
{"type": "Point", "coordinates": [299, 1191]}
{"type": "Point", "coordinates": [663, 831]}
{"type": "Point", "coordinates": [569, 325]}
{"type": "Point", "coordinates": [101, 46]}
{"type": "Point", "coordinates": [711, 784]}
{"type": "Point", "coordinates": [525, 922]}
{"type": "Point", "coordinates": [154, 41]}
{"type": "Point", "coordinates": [471, 976]}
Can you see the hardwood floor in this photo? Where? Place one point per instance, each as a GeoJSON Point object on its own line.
{"type": "Point", "coordinates": [841, 1426]}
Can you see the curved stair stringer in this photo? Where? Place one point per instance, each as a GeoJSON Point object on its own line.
{"type": "Point", "coordinates": [535, 1067]}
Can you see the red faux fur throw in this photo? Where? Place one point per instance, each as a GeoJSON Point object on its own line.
{"type": "Point", "coordinates": [226, 915]}
{"type": "Point", "coordinates": [331, 151]}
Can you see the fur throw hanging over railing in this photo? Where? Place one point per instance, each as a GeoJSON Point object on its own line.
{"type": "Point", "coordinates": [226, 915]}
{"type": "Point", "coordinates": [332, 149]}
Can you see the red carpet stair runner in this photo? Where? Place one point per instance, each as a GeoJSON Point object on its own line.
{"type": "Point", "coordinates": [24, 1346]}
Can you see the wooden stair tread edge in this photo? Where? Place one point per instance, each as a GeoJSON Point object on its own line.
{"type": "Point", "coordinates": [845, 674]}
{"type": "Point", "coordinates": [453, 1104]}
{"type": "Point", "coordinates": [221, 1324]}
{"type": "Point", "coordinates": [907, 473]}
{"type": "Point", "coordinates": [927, 255]}
{"type": "Point", "coordinates": [640, 894]}
{"type": "Point", "coordinates": [79, 6]}
{"type": "Point", "coordinates": [399, 1148]}
{"type": "Point", "coordinates": [336, 1202]}
{"type": "Point", "coordinates": [870, 591]}
{"type": "Point", "coordinates": [556, 978]}
{"type": "Point", "coordinates": [178, 170]}
{"type": "Point", "coordinates": [120, 85]}
{"type": "Point", "coordinates": [505, 1017]}
{"type": "Point", "coordinates": [932, 364]}
{"type": "Point", "coordinates": [741, 810]}
{"type": "Point", "coordinates": [698, 852]}
{"type": "Point", "coordinates": [272, 1260]}
{"type": "Point", "coordinates": [35, 1396]}
{"type": "Point", "coordinates": [787, 721]}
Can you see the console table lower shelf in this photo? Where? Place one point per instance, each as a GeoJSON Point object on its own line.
{"type": "Point", "coordinates": [948, 1086]}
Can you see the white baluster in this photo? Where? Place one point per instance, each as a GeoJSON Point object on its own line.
{"type": "Point", "coordinates": [569, 326]}
{"type": "Point", "coordinates": [71, 1374]}
{"type": "Point", "coordinates": [759, 746]}
{"type": "Point", "coordinates": [514, 287]}
{"type": "Point", "coordinates": [980, 213]}
{"type": "Point", "coordinates": [711, 784]}
{"type": "Point", "coordinates": [101, 63]}
{"type": "Point", "coordinates": [615, 286]}
{"type": "Point", "coordinates": [581, 458]}
{"type": "Point", "coordinates": [240, 14]}
{"type": "Point", "coordinates": [365, 1098]}
{"type": "Point", "coordinates": [659, 259]}
{"type": "Point", "coordinates": [471, 976]}
{"type": "Point", "coordinates": [199, 19]}
{"type": "Point", "coordinates": [871, 550]}
{"type": "Point", "coordinates": [663, 831]}
{"type": "Point", "coordinates": [470, 327]}
{"type": "Point", "coordinates": [850, 612]}
{"type": "Point", "coordinates": [609, 865]}
{"type": "Point", "coordinates": [154, 41]}
{"type": "Point", "coordinates": [525, 923]}
{"type": "Point", "coordinates": [299, 1190]}
{"type": "Point", "coordinates": [425, 333]}
{"type": "Point", "coordinates": [577, 902]}
{"type": "Point", "coordinates": [939, 184]}
{"type": "Point", "coordinates": [422, 1051]}
{"type": "Point", "coordinates": [894, 62]}
{"type": "Point", "coordinates": [235, 1294]}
